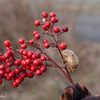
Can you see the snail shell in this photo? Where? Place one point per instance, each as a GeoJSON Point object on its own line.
{"type": "Point", "coordinates": [71, 59]}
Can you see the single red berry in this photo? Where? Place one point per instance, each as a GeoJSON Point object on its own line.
{"type": "Point", "coordinates": [43, 68]}
{"type": "Point", "coordinates": [45, 14]}
{"type": "Point", "coordinates": [25, 53]}
{"type": "Point", "coordinates": [37, 36]}
{"type": "Point", "coordinates": [38, 72]}
{"type": "Point", "coordinates": [0, 81]}
{"type": "Point", "coordinates": [21, 41]}
{"type": "Point", "coordinates": [18, 81]}
{"type": "Point", "coordinates": [8, 70]}
{"type": "Point", "coordinates": [7, 43]}
{"type": "Point", "coordinates": [43, 58]}
{"type": "Point", "coordinates": [31, 42]}
{"type": "Point", "coordinates": [56, 29]}
{"type": "Point", "coordinates": [21, 51]}
{"type": "Point", "coordinates": [30, 74]}
{"type": "Point", "coordinates": [35, 32]}
{"type": "Point", "coordinates": [12, 59]}
{"type": "Point", "coordinates": [52, 14]}
{"type": "Point", "coordinates": [30, 53]}
{"type": "Point", "coordinates": [47, 24]}
{"type": "Point", "coordinates": [17, 62]}
{"type": "Point", "coordinates": [6, 56]}
{"type": "Point", "coordinates": [17, 71]}
{"type": "Point", "coordinates": [23, 62]}
{"type": "Point", "coordinates": [64, 28]}
{"type": "Point", "coordinates": [2, 67]}
{"type": "Point", "coordinates": [36, 62]}
{"type": "Point", "coordinates": [28, 61]}
{"type": "Point", "coordinates": [23, 75]}
{"type": "Point", "coordinates": [34, 56]}
{"type": "Point", "coordinates": [23, 46]}
{"type": "Point", "coordinates": [15, 84]}
{"type": "Point", "coordinates": [11, 74]}
{"type": "Point", "coordinates": [37, 23]}
{"type": "Point", "coordinates": [2, 72]}
{"type": "Point", "coordinates": [8, 78]}
{"type": "Point", "coordinates": [45, 28]}
{"type": "Point", "coordinates": [25, 57]}
{"type": "Point", "coordinates": [63, 46]}
{"type": "Point", "coordinates": [45, 40]}
{"type": "Point", "coordinates": [9, 64]}
{"type": "Point", "coordinates": [46, 45]}
{"type": "Point", "coordinates": [33, 68]}
{"type": "Point", "coordinates": [9, 52]}
{"type": "Point", "coordinates": [54, 19]}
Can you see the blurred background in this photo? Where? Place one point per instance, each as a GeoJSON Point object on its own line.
{"type": "Point", "coordinates": [83, 19]}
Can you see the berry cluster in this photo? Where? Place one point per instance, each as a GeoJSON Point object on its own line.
{"type": "Point", "coordinates": [33, 62]}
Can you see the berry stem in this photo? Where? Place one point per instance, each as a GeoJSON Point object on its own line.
{"type": "Point", "coordinates": [68, 75]}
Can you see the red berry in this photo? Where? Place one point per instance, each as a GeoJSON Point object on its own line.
{"type": "Point", "coordinates": [47, 24]}
{"type": "Point", "coordinates": [30, 53]}
{"type": "Point", "coordinates": [52, 14]}
{"type": "Point", "coordinates": [37, 23]}
{"type": "Point", "coordinates": [63, 46]}
{"type": "Point", "coordinates": [65, 29]}
{"type": "Point", "coordinates": [45, 40]}
{"type": "Point", "coordinates": [43, 58]}
{"type": "Point", "coordinates": [2, 72]}
{"type": "Point", "coordinates": [37, 36]}
{"type": "Point", "coordinates": [2, 67]}
{"type": "Point", "coordinates": [21, 51]}
{"type": "Point", "coordinates": [45, 28]}
{"type": "Point", "coordinates": [11, 74]}
{"type": "Point", "coordinates": [6, 56]}
{"type": "Point", "coordinates": [23, 75]}
{"type": "Point", "coordinates": [33, 68]}
{"type": "Point", "coordinates": [23, 46]}
{"type": "Point", "coordinates": [17, 62]}
{"type": "Point", "coordinates": [9, 64]}
{"type": "Point", "coordinates": [30, 74]}
{"type": "Point", "coordinates": [43, 68]}
{"type": "Point", "coordinates": [56, 29]}
{"type": "Point", "coordinates": [23, 62]}
{"type": "Point", "coordinates": [31, 42]}
{"type": "Point", "coordinates": [25, 53]}
{"type": "Point", "coordinates": [21, 41]}
{"type": "Point", "coordinates": [14, 84]}
{"type": "Point", "coordinates": [45, 14]}
{"type": "Point", "coordinates": [35, 56]}
{"type": "Point", "coordinates": [38, 72]}
{"type": "Point", "coordinates": [36, 62]}
{"type": "Point", "coordinates": [8, 78]}
{"type": "Point", "coordinates": [8, 70]}
{"type": "Point", "coordinates": [0, 81]}
{"type": "Point", "coordinates": [10, 52]}
{"type": "Point", "coordinates": [7, 43]}
{"type": "Point", "coordinates": [17, 70]}
{"type": "Point", "coordinates": [46, 45]}
{"type": "Point", "coordinates": [18, 81]}
{"type": "Point", "coordinates": [54, 19]}
{"type": "Point", "coordinates": [35, 32]}
{"type": "Point", "coordinates": [28, 61]}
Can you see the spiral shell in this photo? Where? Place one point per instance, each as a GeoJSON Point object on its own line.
{"type": "Point", "coordinates": [71, 59]}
